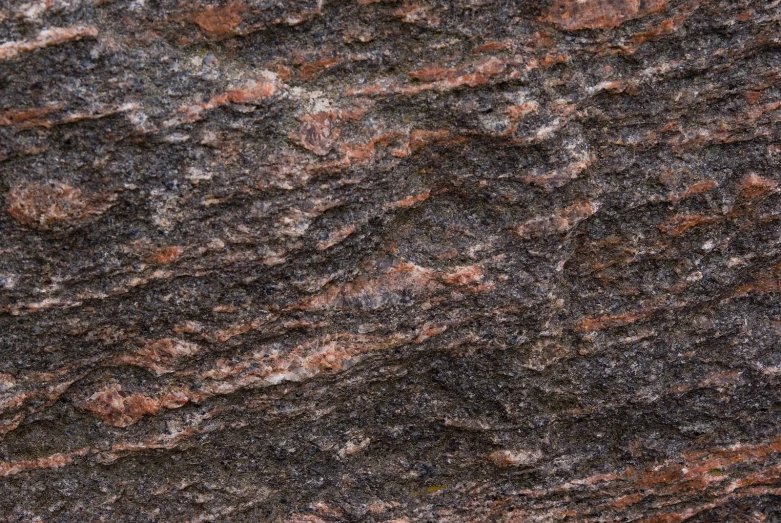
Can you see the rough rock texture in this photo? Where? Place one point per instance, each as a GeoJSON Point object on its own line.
{"type": "Point", "coordinates": [390, 261]}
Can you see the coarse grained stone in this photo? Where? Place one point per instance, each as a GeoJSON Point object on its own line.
{"type": "Point", "coordinates": [390, 260]}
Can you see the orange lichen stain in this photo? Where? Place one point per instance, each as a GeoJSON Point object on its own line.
{"type": "Point", "coordinates": [46, 205]}
{"type": "Point", "coordinates": [697, 188]}
{"type": "Point", "coordinates": [54, 36]}
{"type": "Point", "coordinates": [599, 14]}
{"type": "Point", "coordinates": [318, 132]}
{"type": "Point", "coordinates": [680, 223]}
{"type": "Point", "coordinates": [166, 255]}
{"type": "Point", "coordinates": [219, 20]}
{"type": "Point", "coordinates": [120, 409]}
{"type": "Point", "coordinates": [159, 355]}
{"type": "Point", "coordinates": [560, 222]}
{"type": "Point", "coordinates": [754, 186]}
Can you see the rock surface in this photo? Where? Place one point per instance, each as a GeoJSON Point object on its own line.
{"type": "Point", "coordinates": [390, 261]}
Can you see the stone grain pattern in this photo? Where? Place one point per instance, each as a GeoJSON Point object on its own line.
{"type": "Point", "coordinates": [316, 261]}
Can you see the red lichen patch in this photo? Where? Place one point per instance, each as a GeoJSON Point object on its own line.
{"type": "Point", "coordinates": [561, 222]}
{"type": "Point", "coordinates": [755, 186]}
{"type": "Point", "coordinates": [120, 409]}
{"type": "Point", "coordinates": [219, 20]}
{"type": "Point", "coordinates": [166, 255]}
{"type": "Point", "coordinates": [599, 14]}
{"type": "Point", "coordinates": [318, 132]}
{"type": "Point", "coordinates": [159, 355]}
{"type": "Point", "coordinates": [680, 223]}
{"type": "Point", "coordinates": [47, 37]}
{"type": "Point", "coordinates": [45, 206]}
{"type": "Point", "coordinates": [514, 458]}
{"type": "Point", "coordinates": [697, 188]}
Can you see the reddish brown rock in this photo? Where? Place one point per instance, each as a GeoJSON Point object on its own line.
{"type": "Point", "coordinates": [46, 205]}
{"type": "Point", "coordinates": [600, 14]}
{"type": "Point", "coordinates": [159, 355]}
{"type": "Point", "coordinates": [48, 37]}
{"type": "Point", "coordinates": [219, 20]}
{"type": "Point", "coordinates": [560, 222]}
{"type": "Point", "coordinates": [397, 261]}
{"type": "Point", "coordinates": [121, 409]}
{"type": "Point", "coordinates": [318, 132]}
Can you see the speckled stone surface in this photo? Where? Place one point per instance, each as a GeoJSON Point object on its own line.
{"type": "Point", "coordinates": [313, 261]}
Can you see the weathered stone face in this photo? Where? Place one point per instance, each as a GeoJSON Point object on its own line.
{"type": "Point", "coordinates": [390, 261]}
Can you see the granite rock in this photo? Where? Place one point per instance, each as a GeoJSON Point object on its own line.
{"type": "Point", "coordinates": [390, 260]}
